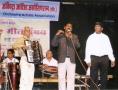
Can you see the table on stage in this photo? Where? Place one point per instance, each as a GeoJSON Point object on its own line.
{"type": "Point", "coordinates": [55, 79]}
{"type": "Point", "coordinates": [46, 80]}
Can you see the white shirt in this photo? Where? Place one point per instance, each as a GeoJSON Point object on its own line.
{"type": "Point", "coordinates": [52, 62]}
{"type": "Point", "coordinates": [98, 45]}
{"type": "Point", "coordinates": [7, 60]}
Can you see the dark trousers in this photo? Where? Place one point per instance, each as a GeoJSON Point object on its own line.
{"type": "Point", "coordinates": [99, 64]}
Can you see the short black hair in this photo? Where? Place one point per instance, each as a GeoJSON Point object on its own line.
{"type": "Point", "coordinates": [99, 23]}
{"type": "Point", "coordinates": [11, 50]}
{"type": "Point", "coordinates": [69, 22]}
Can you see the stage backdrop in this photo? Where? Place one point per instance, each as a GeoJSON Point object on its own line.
{"type": "Point", "coordinates": [11, 29]}
{"type": "Point", "coordinates": [15, 14]}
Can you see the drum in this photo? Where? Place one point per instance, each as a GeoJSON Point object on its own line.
{"type": "Point", "coordinates": [4, 67]}
{"type": "Point", "coordinates": [13, 72]}
{"type": "Point", "coordinates": [1, 75]}
{"type": "Point", "coordinates": [9, 69]}
{"type": "Point", "coordinates": [1, 78]}
{"type": "Point", "coordinates": [49, 71]}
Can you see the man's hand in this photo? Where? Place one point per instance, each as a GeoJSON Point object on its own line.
{"type": "Point", "coordinates": [59, 32]}
{"type": "Point", "coordinates": [112, 63]}
{"type": "Point", "coordinates": [44, 66]}
{"type": "Point", "coordinates": [24, 47]}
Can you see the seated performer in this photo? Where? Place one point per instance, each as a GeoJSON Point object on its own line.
{"type": "Point", "coordinates": [12, 65]}
{"type": "Point", "coordinates": [50, 64]}
{"type": "Point", "coordinates": [10, 57]}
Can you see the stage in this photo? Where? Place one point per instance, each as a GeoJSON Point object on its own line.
{"type": "Point", "coordinates": [81, 83]}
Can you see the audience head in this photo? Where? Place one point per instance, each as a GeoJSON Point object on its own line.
{"type": "Point", "coordinates": [26, 31]}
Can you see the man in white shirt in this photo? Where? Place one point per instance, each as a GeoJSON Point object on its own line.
{"type": "Point", "coordinates": [97, 55]}
{"type": "Point", "coordinates": [27, 69]}
{"type": "Point", "coordinates": [49, 63]}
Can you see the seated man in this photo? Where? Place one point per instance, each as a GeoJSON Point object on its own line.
{"type": "Point", "coordinates": [49, 63]}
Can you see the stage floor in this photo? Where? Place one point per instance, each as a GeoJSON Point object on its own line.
{"type": "Point", "coordinates": [112, 85]}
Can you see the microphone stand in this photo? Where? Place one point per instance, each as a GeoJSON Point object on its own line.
{"type": "Point", "coordinates": [78, 77]}
{"type": "Point", "coordinates": [82, 63]}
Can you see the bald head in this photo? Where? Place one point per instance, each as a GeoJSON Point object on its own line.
{"type": "Point", "coordinates": [26, 31]}
{"type": "Point", "coordinates": [49, 54]}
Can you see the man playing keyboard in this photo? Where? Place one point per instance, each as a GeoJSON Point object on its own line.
{"type": "Point", "coordinates": [49, 64]}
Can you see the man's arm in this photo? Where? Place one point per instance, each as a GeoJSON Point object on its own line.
{"type": "Point", "coordinates": [88, 52]}
{"type": "Point", "coordinates": [55, 41]}
{"type": "Point", "coordinates": [110, 53]}
{"type": "Point", "coordinates": [19, 43]}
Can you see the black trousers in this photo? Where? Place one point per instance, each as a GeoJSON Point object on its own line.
{"type": "Point", "coordinates": [99, 64]}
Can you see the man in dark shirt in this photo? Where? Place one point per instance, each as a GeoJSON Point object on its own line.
{"type": "Point", "coordinates": [66, 42]}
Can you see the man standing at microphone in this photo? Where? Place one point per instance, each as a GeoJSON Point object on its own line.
{"type": "Point", "coordinates": [66, 42]}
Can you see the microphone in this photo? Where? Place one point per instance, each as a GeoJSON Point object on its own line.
{"type": "Point", "coordinates": [69, 30]}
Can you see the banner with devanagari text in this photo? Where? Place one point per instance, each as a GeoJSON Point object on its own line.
{"type": "Point", "coordinates": [30, 9]}
{"type": "Point", "coordinates": [11, 29]}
